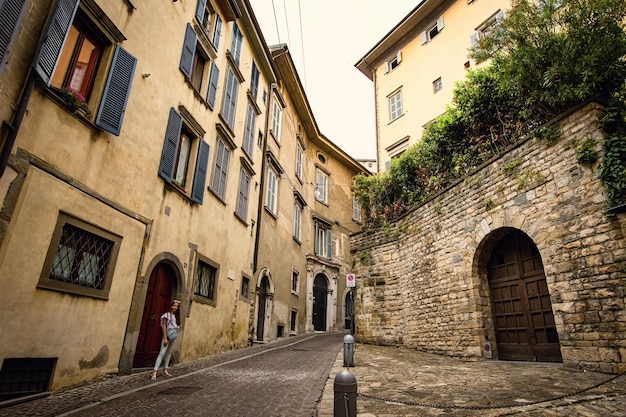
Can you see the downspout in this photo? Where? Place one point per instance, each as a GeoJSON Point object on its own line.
{"type": "Point", "coordinates": [259, 214]}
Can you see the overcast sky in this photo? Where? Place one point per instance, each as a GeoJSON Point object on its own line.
{"type": "Point", "coordinates": [326, 38]}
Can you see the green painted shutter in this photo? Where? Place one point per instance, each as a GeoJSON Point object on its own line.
{"type": "Point", "coordinates": [213, 82]}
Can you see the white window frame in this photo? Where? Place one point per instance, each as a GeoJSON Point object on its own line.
{"type": "Point", "coordinates": [395, 105]}
{"type": "Point", "coordinates": [321, 186]}
{"type": "Point", "coordinates": [299, 160]}
{"type": "Point", "coordinates": [277, 112]}
{"type": "Point", "coordinates": [432, 32]}
{"type": "Point", "coordinates": [297, 222]}
{"type": "Point", "coordinates": [437, 85]}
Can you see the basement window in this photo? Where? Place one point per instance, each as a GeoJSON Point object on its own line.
{"type": "Point", "coordinates": [20, 377]}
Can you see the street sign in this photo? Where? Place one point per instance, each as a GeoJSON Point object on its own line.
{"type": "Point", "coordinates": [351, 280]}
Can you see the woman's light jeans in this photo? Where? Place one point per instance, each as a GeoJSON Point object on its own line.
{"type": "Point", "coordinates": [166, 351]}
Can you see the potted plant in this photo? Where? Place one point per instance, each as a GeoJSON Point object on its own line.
{"type": "Point", "coordinates": [74, 99]}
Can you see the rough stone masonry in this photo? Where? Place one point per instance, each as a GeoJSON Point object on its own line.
{"type": "Point", "coordinates": [422, 281]}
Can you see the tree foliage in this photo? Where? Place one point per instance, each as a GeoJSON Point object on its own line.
{"type": "Point", "coordinates": [545, 58]}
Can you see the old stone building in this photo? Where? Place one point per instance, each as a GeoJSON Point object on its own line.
{"type": "Point", "coordinates": [521, 260]}
{"type": "Point", "coordinates": [133, 164]}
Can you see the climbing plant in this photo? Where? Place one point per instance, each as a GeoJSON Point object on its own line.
{"type": "Point", "coordinates": [545, 57]}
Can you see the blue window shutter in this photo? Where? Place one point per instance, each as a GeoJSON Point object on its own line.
{"type": "Point", "coordinates": [254, 80]}
{"type": "Point", "coordinates": [116, 91]}
{"type": "Point", "coordinates": [200, 10]}
{"type": "Point", "coordinates": [217, 32]}
{"type": "Point", "coordinates": [189, 49]}
{"type": "Point", "coordinates": [199, 177]}
{"type": "Point", "coordinates": [170, 145]}
{"type": "Point", "coordinates": [11, 12]}
{"type": "Point", "coordinates": [53, 38]}
{"type": "Point", "coordinates": [212, 90]}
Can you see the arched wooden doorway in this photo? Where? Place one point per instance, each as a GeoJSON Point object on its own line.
{"type": "Point", "coordinates": [522, 311]}
{"type": "Point", "coordinates": [157, 302]}
{"type": "Point", "coordinates": [320, 295]}
{"type": "Point", "coordinates": [263, 292]}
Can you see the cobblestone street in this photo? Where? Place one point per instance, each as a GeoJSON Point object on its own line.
{"type": "Point", "coordinates": [295, 377]}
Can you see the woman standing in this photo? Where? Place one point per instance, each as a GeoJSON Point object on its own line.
{"type": "Point", "coordinates": [169, 328]}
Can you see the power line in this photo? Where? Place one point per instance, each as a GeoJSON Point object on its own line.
{"type": "Point", "coordinates": [302, 44]}
{"type": "Point", "coordinates": [286, 22]}
{"type": "Point", "coordinates": [276, 21]}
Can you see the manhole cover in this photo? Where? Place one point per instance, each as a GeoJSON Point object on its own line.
{"type": "Point", "coordinates": [181, 390]}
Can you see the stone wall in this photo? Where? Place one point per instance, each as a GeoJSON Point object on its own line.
{"type": "Point", "coordinates": [422, 281]}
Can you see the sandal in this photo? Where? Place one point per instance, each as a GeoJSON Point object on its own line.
{"type": "Point", "coordinates": [166, 373]}
{"type": "Point", "coordinates": [153, 376]}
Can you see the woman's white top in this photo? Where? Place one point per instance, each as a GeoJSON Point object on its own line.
{"type": "Point", "coordinates": [171, 321]}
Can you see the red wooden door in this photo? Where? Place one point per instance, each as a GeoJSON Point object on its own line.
{"type": "Point", "coordinates": [523, 318]}
{"type": "Point", "coordinates": [157, 302]}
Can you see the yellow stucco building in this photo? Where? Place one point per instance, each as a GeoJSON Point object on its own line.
{"type": "Point", "coordinates": [136, 146]}
{"type": "Point", "coordinates": [415, 65]}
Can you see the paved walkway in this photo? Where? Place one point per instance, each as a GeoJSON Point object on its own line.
{"type": "Point", "coordinates": [295, 377]}
{"type": "Point", "coordinates": [395, 382]}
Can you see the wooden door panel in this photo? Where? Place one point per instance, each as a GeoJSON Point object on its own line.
{"type": "Point", "coordinates": [522, 310]}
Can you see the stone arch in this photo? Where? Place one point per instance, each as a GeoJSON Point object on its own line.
{"type": "Point", "coordinates": [264, 299]}
{"type": "Point", "coordinates": [139, 302]}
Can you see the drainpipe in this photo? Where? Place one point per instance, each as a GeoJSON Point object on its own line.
{"type": "Point", "coordinates": [14, 126]}
{"type": "Point", "coordinates": [259, 214]}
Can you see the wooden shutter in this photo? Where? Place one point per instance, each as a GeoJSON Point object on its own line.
{"type": "Point", "coordinates": [213, 82]}
{"type": "Point", "coordinates": [329, 243]}
{"type": "Point", "coordinates": [244, 191]}
{"type": "Point", "coordinates": [170, 145]}
{"type": "Point", "coordinates": [439, 24]}
{"type": "Point", "coordinates": [116, 91]}
{"type": "Point", "coordinates": [189, 49]}
{"type": "Point", "coordinates": [423, 38]}
{"type": "Point", "coordinates": [53, 38]}
{"type": "Point", "coordinates": [217, 32]}
{"type": "Point", "coordinates": [11, 12]}
{"type": "Point", "coordinates": [200, 11]}
{"type": "Point", "coordinates": [254, 80]}
{"type": "Point", "coordinates": [199, 177]}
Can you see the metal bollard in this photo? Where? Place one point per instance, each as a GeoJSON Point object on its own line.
{"type": "Point", "coordinates": [345, 395]}
{"type": "Point", "coordinates": [348, 351]}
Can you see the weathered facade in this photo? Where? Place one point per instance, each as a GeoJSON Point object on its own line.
{"type": "Point", "coordinates": [307, 217]}
{"type": "Point", "coordinates": [520, 260]}
{"type": "Point", "coordinates": [133, 158]}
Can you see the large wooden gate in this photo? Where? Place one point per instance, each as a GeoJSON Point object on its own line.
{"type": "Point", "coordinates": [522, 311]}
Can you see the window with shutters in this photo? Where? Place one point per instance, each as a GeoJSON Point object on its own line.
{"type": "Point", "coordinates": [81, 258]}
{"type": "Point", "coordinates": [11, 12]}
{"type": "Point", "coordinates": [210, 22]}
{"type": "Point", "coordinates": [229, 102]}
{"type": "Point", "coordinates": [486, 27]}
{"type": "Point", "coordinates": [254, 81]}
{"type": "Point", "coordinates": [73, 62]}
{"type": "Point", "coordinates": [297, 221]}
{"type": "Point", "coordinates": [205, 286]}
{"type": "Point", "coordinates": [220, 167]}
{"type": "Point", "coordinates": [434, 30]}
{"type": "Point", "coordinates": [277, 113]}
{"type": "Point", "coordinates": [185, 155]}
{"type": "Point", "coordinates": [323, 239]}
{"type": "Point", "coordinates": [321, 188]}
{"type": "Point", "coordinates": [196, 65]}
{"type": "Point", "coordinates": [235, 44]}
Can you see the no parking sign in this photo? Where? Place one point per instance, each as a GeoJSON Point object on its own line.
{"type": "Point", "coordinates": [351, 280]}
